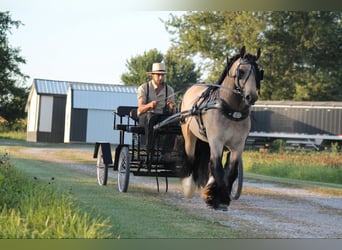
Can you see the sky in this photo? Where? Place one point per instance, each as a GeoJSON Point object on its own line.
{"type": "Point", "coordinates": [84, 41]}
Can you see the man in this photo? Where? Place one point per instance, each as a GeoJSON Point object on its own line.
{"type": "Point", "coordinates": [155, 102]}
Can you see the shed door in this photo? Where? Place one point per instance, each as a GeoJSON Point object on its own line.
{"type": "Point", "coordinates": [78, 127]}
{"type": "Point", "coordinates": [58, 118]}
{"type": "Point", "coordinates": [45, 118]}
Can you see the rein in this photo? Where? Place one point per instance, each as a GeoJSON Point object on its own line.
{"type": "Point", "coordinates": [210, 99]}
{"type": "Point", "coordinates": [234, 90]}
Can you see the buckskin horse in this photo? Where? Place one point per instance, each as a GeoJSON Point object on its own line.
{"type": "Point", "coordinates": [219, 118]}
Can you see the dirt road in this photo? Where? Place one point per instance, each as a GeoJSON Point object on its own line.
{"type": "Point", "coordinates": [265, 210]}
{"type": "Point", "coordinates": [269, 210]}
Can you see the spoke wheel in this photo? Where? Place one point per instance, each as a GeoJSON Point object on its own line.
{"type": "Point", "coordinates": [101, 168]}
{"type": "Point", "coordinates": [123, 169]}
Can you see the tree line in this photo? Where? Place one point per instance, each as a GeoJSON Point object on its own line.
{"type": "Point", "coordinates": [301, 51]}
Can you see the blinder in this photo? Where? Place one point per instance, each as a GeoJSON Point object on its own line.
{"type": "Point", "coordinates": [247, 59]}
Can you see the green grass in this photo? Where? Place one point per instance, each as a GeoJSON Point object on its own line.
{"type": "Point", "coordinates": [32, 209]}
{"type": "Point", "coordinates": [13, 135]}
{"type": "Point", "coordinates": [143, 212]}
{"type": "Point", "coordinates": [140, 213]}
{"type": "Point", "coordinates": [310, 166]}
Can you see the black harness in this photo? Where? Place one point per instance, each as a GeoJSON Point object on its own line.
{"type": "Point", "coordinates": [210, 99]}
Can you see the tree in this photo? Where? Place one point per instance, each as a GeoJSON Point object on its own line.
{"type": "Point", "coordinates": [301, 51]}
{"type": "Point", "coordinates": [214, 36]}
{"type": "Point", "coordinates": [12, 96]}
{"type": "Point", "coordinates": [138, 66]}
{"type": "Point", "coordinates": [305, 55]}
{"type": "Point", "coordinates": [181, 71]}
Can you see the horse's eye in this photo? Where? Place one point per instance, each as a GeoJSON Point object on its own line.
{"type": "Point", "coordinates": [241, 73]}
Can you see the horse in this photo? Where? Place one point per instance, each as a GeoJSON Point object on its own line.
{"type": "Point", "coordinates": [219, 119]}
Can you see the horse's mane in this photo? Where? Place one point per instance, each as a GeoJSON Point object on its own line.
{"type": "Point", "coordinates": [225, 71]}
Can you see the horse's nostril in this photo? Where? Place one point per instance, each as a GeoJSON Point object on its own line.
{"type": "Point", "coordinates": [251, 99]}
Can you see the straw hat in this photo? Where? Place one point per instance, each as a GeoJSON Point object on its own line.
{"type": "Point", "coordinates": [158, 68]}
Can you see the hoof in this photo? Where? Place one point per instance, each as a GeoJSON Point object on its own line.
{"type": "Point", "coordinates": [216, 197]}
{"type": "Point", "coordinates": [223, 207]}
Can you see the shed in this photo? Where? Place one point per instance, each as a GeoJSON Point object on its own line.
{"type": "Point", "coordinates": [46, 111]}
{"type": "Point", "coordinates": [64, 111]}
{"type": "Point", "coordinates": [89, 111]}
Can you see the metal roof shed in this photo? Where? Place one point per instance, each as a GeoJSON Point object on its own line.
{"type": "Point", "coordinates": [46, 110]}
{"type": "Point", "coordinates": [89, 111]}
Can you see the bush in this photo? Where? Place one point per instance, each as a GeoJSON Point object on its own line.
{"type": "Point", "coordinates": [18, 126]}
{"type": "Point", "coordinates": [278, 146]}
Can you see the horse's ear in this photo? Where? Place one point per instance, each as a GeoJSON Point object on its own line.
{"type": "Point", "coordinates": [243, 51]}
{"type": "Point", "coordinates": [258, 54]}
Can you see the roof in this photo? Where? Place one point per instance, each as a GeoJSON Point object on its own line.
{"type": "Point", "coordinates": [104, 87]}
{"type": "Point", "coordinates": [299, 104]}
{"type": "Point", "coordinates": [53, 87]}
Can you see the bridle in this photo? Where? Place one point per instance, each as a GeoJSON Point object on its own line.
{"type": "Point", "coordinates": [237, 76]}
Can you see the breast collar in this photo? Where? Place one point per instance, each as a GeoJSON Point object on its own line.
{"type": "Point", "coordinates": [211, 100]}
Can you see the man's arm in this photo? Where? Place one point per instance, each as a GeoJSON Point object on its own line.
{"type": "Point", "coordinates": [143, 108]}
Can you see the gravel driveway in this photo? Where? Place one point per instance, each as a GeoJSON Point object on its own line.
{"type": "Point", "coordinates": [268, 210]}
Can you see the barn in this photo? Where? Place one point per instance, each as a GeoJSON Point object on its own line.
{"type": "Point", "coordinates": [64, 111]}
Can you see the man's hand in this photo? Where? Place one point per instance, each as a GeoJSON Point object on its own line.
{"type": "Point", "coordinates": [171, 105]}
{"type": "Point", "coordinates": [153, 104]}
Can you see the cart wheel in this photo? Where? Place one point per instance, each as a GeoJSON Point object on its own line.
{"type": "Point", "coordinates": [237, 185]}
{"type": "Point", "coordinates": [123, 169]}
{"type": "Point", "coordinates": [101, 168]}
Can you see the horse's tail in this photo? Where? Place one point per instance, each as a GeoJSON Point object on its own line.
{"type": "Point", "coordinates": [195, 169]}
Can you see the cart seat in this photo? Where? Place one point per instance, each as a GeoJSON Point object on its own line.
{"type": "Point", "coordinates": [134, 114]}
{"type": "Point", "coordinates": [137, 129]}
{"type": "Point", "coordinates": [123, 127]}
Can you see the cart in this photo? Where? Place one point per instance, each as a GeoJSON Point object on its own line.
{"type": "Point", "coordinates": [136, 159]}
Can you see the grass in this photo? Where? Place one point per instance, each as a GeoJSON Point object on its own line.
{"type": "Point", "coordinates": [310, 166]}
{"type": "Point", "coordinates": [32, 209]}
{"type": "Point", "coordinates": [140, 213]}
{"type": "Point", "coordinates": [13, 135]}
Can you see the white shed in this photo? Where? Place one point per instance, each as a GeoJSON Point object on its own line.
{"type": "Point", "coordinates": [64, 111]}
{"type": "Point", "coordinates": [89, 111]}
{"type": "Point", "coordinates": [45, 109]}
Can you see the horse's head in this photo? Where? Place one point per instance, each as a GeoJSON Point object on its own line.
{"type": "Point", "coordinates": [247, 76]}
